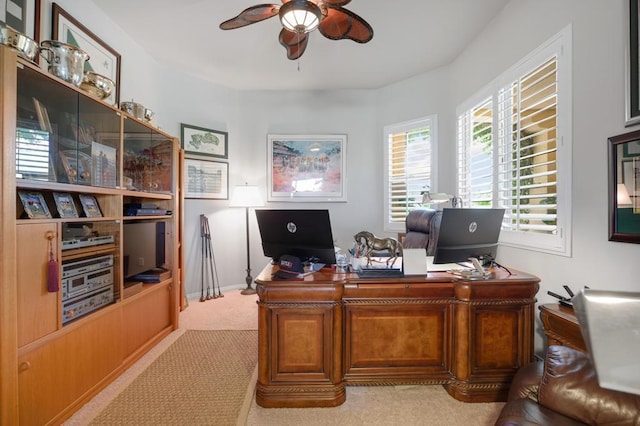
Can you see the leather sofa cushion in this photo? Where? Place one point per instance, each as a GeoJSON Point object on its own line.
{"type": "Point", "coordinates": [569, 386]}
{"type": "Point", "coordinates": [525, 411]}
{"type": "Point", "coordinates": [526, 382]}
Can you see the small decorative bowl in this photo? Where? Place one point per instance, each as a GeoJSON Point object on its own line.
{"type": "Point", "coordinates": [98, 85]}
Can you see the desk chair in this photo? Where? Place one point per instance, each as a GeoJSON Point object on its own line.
{"type": "Point", "coordinates": [422, 226]}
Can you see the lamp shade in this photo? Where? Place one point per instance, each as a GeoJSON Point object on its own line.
{"type": "Point", "coordinates": [435, 198]}
{"type": "Point", "coordinates": [246, 196]}
{"type": "Point", "coordinates": [300, 16]}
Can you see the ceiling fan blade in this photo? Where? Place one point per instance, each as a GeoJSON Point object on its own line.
{"type": "Point", "coordinates": [335, 3]}
{"type": "Point", "coordinates": [342, 23]}
{"type": "Point", "coordinates": [294, 43]}
{"type": "Point", "coordinates": [251, 15]}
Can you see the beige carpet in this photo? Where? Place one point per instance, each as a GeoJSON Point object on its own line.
{"type": "Point", "coordinates": [201, 379]}
{"type": "Point", "coordinates": [365, 406]}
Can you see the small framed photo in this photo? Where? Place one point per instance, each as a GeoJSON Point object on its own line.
{"type": "Point", "coordinates": [34, 205]}
{"type": "Point", "coordinates": [65, 204]}
{"type": "Point", "coordinates": [207, 142]}
{"type": "Point", "coordinates": [90, 205]}
{"type": "Point", "coordinates": [77, 166]}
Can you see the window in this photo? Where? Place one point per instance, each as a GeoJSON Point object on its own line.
{"type": "Point", "coordinates": [514, 149]}
{"type": "Point", "coordinates": [409, 148]}
{"type": "Point", "coordinates": [32, 154]}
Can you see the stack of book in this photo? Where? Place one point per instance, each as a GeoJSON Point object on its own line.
{"type": "Point", "coordinates": [154, 275]}
{"type": "Point", "coordinates": [143, 209]}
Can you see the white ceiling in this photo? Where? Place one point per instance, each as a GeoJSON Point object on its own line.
{"type": "Point", "coordinates": [410, 37]}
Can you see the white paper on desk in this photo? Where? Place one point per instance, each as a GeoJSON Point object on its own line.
{"type": "Point", "coordinates": [414, 261]}
{"type": "Point", "coordinates": [441, 267]}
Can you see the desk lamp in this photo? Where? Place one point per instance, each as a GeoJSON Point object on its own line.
{"type": "Point", "coordinates": [247, 196]}
{"type": "Point", "coordinates": [439, 198]}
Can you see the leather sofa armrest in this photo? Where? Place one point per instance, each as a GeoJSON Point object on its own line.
{"type": "Point", "coordinates": [526, 382]}
{"type": "Point", "coordinates": [569, 386]}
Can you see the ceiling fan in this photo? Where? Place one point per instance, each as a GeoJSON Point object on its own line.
{"type": "Point", "coordinates": [299, 17]}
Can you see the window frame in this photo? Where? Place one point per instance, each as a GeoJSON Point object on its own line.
{"type": "Point", "coordinates": [432, 122]}
{"type": "Point", "coordinates": [560, 46]}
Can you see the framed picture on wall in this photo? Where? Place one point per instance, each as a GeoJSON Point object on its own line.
{"type": "Point", "coordinates": [633, 67]}
{"type": "Point", "coordinates": [203, 141]}
{"type": "Point", "coordinates": [206, 179]}
{"type": "Point", "coordinates": [22, 16]}
{"type": "Point", "coordinates": [624, 189]}
{"type": "Point", "coordinates": [104, 60]}
{"type": "Point", "coordinates": [307, 168]}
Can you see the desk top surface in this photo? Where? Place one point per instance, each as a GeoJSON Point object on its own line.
{"type": "Point", "coordinates": [329, 275]}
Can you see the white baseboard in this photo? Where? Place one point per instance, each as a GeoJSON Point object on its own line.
{"type": "Point", "coordinates": [196, 296]}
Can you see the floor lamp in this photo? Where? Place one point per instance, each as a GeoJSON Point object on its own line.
{"type": "Point", "coordinates": [247, 196]}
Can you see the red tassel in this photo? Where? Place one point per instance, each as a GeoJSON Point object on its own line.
{"type": "Point", "coordinates": [53, 279]}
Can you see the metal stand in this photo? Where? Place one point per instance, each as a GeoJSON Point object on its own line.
{"type": "Point", "coordinates": [249, 278]}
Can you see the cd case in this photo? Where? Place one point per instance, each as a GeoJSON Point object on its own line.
{"type": "Point", "coordinates": [34, 205]}
{"type": "Point", "coordinates": [90, 206]}
{"type": "Point", "coordinates": [65, 205]}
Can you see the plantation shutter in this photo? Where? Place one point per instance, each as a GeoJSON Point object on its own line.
{"type": "Point", "coordinates": [527, 169]}
{"type": "Point", "coordinates": [475, 155]}
{"type": "Point", "coordinates": [408, 168]}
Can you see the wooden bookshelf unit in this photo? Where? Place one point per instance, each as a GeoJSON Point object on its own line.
{"type": "Point", "coordinates": [70, 163]}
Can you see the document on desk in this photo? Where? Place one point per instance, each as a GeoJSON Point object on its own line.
{"type": "Point", "coordinates": [441, 267]}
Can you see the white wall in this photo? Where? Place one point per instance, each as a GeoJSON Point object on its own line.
{"type": "Point", "coordinates": [598, 113]}
{"type": "Point", "coordinates": [248, 116]}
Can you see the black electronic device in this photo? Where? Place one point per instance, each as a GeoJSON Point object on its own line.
{"type": "Point", "coordinates": [468, 233]}
{"type": "Point", "coordinates": [566, 301]}
{"type": "Point", "coordinates": [144, 247]}
{"type": "Point", "coordinates": [302, 233]}
{"type": "Point", "coordinates": [379, 272]}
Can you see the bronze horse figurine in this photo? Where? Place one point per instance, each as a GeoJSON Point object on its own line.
{"type": "Point", "coordinates": [369, 243]}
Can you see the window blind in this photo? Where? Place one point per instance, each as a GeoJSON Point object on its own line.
{"type": "Point", "coordinates": [409, 152]}
{"type": "Point", "coordinates": [527, 172]}
{"type": "Point", "coordinates": [475, 155]}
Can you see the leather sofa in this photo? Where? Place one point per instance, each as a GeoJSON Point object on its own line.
{"type": "Point", "coordinates": [422, 227]}
{"type": "Point", "coordinates": [563, 390]}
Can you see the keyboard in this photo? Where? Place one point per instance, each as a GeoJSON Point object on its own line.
{"type": "Point", "coordinates": [379, 272]}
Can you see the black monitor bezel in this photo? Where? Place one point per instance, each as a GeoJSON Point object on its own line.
{"type": "Point", "coordinates": [317, 226]}
{"type": "Point", "coordinates": [450, 248]}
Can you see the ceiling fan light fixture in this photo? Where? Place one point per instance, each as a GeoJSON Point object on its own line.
{"type": "Point", "coordinates": [300, 16]}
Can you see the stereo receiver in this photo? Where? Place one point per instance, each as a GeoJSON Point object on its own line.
{"type": "Point", "coordinates": [80, 306]}
{"type": "Point", "coordinates": [84, 266]}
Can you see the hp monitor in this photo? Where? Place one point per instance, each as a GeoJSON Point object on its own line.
{"type": "Point", "coordinates": [302, 233]}
{"type": "Point", "coordinates": [466, 233]}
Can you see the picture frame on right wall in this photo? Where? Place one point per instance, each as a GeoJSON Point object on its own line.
{"type": "Point", "coordinates": [624, 187]}
{"type": "Point", "coordinates": [632, 71]}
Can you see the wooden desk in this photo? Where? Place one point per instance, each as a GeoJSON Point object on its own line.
{"type": "Point", "coordinates": [325, 331]}
{"type": "Point", "coordinates": [561, 326]}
